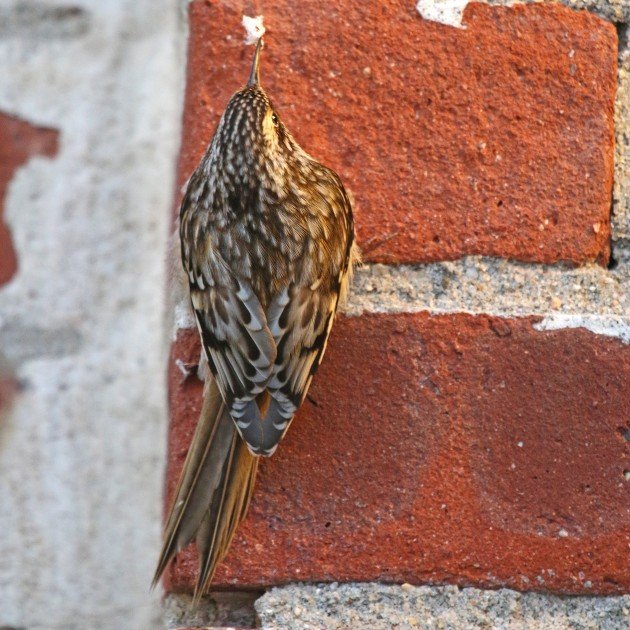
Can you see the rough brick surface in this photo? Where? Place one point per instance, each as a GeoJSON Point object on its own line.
{"type": "Point", "coordinates": [495, 140]}
{"type": "Point", "coordinates": [471, 450]}
{"type": "Point", "coordinates": [19, 140]}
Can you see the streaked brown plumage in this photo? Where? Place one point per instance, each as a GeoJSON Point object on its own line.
{"type": "Point", "coordinates": [267, 245]}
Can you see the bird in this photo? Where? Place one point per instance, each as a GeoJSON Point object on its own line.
{"type": "Point", "coordinates": [268, 248]}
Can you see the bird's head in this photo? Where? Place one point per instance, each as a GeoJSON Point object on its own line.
{"type": "Point", "coordinates": [250, 125]}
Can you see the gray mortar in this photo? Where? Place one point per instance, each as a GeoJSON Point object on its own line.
{"type": "Point", "coordinates": [621, 190]}
{"type": "Point", "coordinates": [382, 607]}
{"type": "Point", "coordinates": [217, 610]}
{"type": "Point", "coordinates": [587, 296]}
{"type": "Point", "coordinates": [487, 285]}
{"type": "Point", "coordinates": [613, 10]}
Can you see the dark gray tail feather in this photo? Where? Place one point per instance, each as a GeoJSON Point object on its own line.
{"type": "Point", "coordinates": [213, 493]}
{"type": "Point", "coordinates": [263, 432]}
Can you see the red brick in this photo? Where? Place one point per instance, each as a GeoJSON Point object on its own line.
{"type": "Point", "coordinates": [19, 141]}
{"type": "Point", "coordinates": [454, 448]}
{"type": "Point", "coordinates": [493, 140]}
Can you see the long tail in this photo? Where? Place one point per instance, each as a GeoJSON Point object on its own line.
{"type": "Point", "coordinates": [213, 493]}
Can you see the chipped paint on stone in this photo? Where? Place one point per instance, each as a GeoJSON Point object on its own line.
{"type": "Point", "coordinates": [82, 320]}
{"type": "Point", "coordinates": [618, 327]}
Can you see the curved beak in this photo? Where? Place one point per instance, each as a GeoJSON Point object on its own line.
{"type": "Point", "coordinates": [254, 75]}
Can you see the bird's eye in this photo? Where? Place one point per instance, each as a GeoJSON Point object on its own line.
{"type": "Point", "coordinates": [274, 119]}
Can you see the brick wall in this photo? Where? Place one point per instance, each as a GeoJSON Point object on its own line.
{"type": "Point", "coordinates": [470, 423]}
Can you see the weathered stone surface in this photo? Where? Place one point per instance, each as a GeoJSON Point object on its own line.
{"type": "Point", "coordinates": [495, 287]}
{"type": "Point", "coordinates": [496, 139]}
{"type": "Point", "coordinates": [19, 140]}
{"type": "Point", "coordinates": [458, 448]}
{"type": "Point", "coordinates": [82, 448]}
{"type": "Point", "coordinates": [382, 607]}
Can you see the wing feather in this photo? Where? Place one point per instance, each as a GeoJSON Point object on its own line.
{"type": "Point", "coordinates": [300, 320]}
{"type": "Point", "coordinates": [238, 343]}
{"type": "Point", "coordinates": [278, 348]}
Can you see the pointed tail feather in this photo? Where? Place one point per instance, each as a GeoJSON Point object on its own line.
{"type": "Point", "coordinates": [213, 493]}
{"type": "Point", "coordinates": [229, 506]}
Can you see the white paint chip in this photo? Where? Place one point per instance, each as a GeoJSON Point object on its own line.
{"type": "Point", "coordinates": [449, 12]}
{"type": "Point", "coordinates": [183, 368]}
{"type": "Point", "coordinates": [254, 28]}
{"type": "Point", "coordinates": [183, 316]}
{"type": "Point", "coordinates": [618, 327]}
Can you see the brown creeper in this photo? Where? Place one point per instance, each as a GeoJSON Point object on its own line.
{"type": "Point", "coordinates": [267, 245]}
